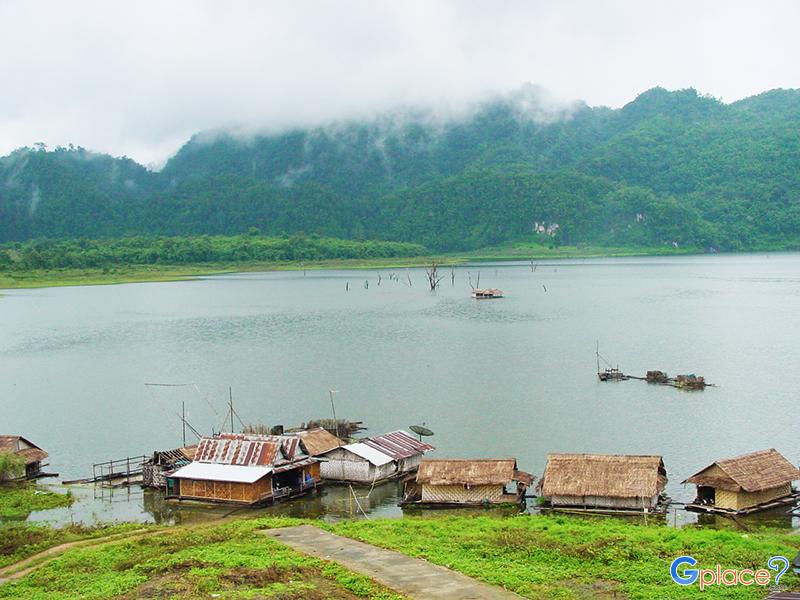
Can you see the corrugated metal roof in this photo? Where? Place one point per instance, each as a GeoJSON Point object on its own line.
{"type": "Point", "coordinates": [398, 444]}
{"type": "Point", "coordinates": [237, 451]}
{"type": "Point", "coordinates": [376, 457]}
{"type": "Point", "coordinates": [218, 472]}
{"type": "Point", "coordinates": [288, 444]}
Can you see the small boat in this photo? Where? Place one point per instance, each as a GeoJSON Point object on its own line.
{"type": "Point", "coordinates": [486, 294]}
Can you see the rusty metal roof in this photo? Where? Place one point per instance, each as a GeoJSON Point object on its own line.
{"type": "Point", "coordinates": [288, 443]}
{"type": "Point", "coordinates": [398, 444]}
{"type": "Point", "coordinates": [237, 451]}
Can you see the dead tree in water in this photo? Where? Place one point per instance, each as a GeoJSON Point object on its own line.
{"type": "Point", "coordinates": [432, 273]}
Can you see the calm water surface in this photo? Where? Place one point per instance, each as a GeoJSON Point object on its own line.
{"type": "Point", "coordinates": [511, 377]}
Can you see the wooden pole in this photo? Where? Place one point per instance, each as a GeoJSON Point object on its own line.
{"type": "Point", "coordinates": [183, 421]}
{"type": "Point", "coordinates": [333, 408]}
{"type": "Point", "coordinates": [230, 399]}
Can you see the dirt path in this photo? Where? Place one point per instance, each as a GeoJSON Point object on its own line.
{"type": "Point", "coordinates": [413, 577]}
{"type": "Point", "coordinates": [27, 565]}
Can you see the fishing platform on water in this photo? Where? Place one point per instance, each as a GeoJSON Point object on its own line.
{"type": "Point", "coordinates": [683, 382]}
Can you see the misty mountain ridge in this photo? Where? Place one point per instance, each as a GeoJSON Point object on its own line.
{"type": "Point", "coordinates": [674, 168]}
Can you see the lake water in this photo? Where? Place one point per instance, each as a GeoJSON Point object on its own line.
{"type": "Point", "coordinates": [509, 377]}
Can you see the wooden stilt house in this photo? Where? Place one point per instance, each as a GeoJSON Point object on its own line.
{"type": "Point", "coordinates": [745, 483]}
{"type": "Point", "coordinates": [603, 482]}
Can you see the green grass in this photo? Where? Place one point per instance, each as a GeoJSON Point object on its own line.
{"type": "Point", "coordinates": [21, 540]}
{"type": "Point", "coordinates": [230, 559]}
{"type": "Point", "coordinates": [18, 500]}
{"type": "Point", "coordinates": [563, 558]}
{"type": "Point", "coordinates": [538, 557]}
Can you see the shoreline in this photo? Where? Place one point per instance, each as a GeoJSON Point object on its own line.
{"type": "Point", "coordinates": [123, 274]}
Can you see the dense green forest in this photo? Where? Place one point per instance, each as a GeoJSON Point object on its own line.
{"type": "Point", "coordinates": [140, 250]}
{"type": "Point", "coordinates": [669, 168]}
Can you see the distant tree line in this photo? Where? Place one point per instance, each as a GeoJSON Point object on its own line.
{"type": "Point", "coordinates": [141, 250]}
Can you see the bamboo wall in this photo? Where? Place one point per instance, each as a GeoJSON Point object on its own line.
{"type": "Point", "coordinates": [458, 494]}
{"type": "Point", "coordinates": [226, 491]}
{"type": "Point", "coordinates": [740, 500]}
{"type": "Point", "coordinates": [606, 502]}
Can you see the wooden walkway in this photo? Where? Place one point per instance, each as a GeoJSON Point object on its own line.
{"type": "Point", "coordinates": [413, 577]}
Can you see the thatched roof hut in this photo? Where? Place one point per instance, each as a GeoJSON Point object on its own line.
{"type": "Point", "coordinates": [613, 481]}
{"type": "Point", "coordinates": [745, 482]}
{"type": "Point", "coordinates": [469, 481]}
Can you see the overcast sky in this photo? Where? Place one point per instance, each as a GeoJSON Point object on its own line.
{"type": "Point", "coordinates": [138, 78]}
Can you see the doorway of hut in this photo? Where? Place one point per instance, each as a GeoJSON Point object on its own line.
{"type": "Point", "coordinates": [288, 479]}
{"type": "Point", "coordinates": [706, 495]}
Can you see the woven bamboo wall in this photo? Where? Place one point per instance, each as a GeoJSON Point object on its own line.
{"type": "Point", "coordinates": [458, 494]}
{"type": "Point", "coordinates": [605, 502]}
{"type": "Point", "coordinates": [748, 499]}
{"type": "Point", "coordinates": [726, 499]}
{"type": "Point", "coordinates": [225, 491]}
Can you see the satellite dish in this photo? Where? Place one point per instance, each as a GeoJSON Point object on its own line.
{"type": "Point", "coordinates": [421, 430]}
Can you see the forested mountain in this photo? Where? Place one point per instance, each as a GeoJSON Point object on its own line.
{"type": "Point", "coordinates": [673, 168]}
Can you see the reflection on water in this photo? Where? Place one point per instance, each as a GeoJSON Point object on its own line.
{"type": "Point", "coordinates": [99, 504]}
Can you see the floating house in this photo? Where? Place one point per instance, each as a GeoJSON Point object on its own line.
{"type": "Point", "coordinates": [374, 459]}
{"type": "Point", "coordinates": [30, 454]}
{"type": "Point", "coordinates": [486, 294]}
{"type": "Point", "coordinates": [467, 482]}
{"type": "Point", "coordinates": [603, 482]}
{"type": "Point", "coordinates": [246, 469]}
{"type": "Point", "coordinates": [746, 483]}
{"type": "Point", "coordinates": [163, 462]}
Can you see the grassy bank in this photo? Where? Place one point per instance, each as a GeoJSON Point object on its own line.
{"type": "Point", "coordinates": [560, 557]}
{"type": "Point", "coordinates": [18, 500]}
{"type": "Point", "coordinates": [537, 557]}
{"type": "Point", "coordinates": [21, 540]}
{"type": "Point", "coordinates": [231, 560]}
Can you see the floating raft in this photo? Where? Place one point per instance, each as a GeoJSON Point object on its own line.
{"type": "Point", "coordinates": [730, 512]}
{"type": "Point", "coordinates": [683, 382]}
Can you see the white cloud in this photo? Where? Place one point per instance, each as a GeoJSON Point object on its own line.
{"type": "Point", "coordinates": [140, 78]}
